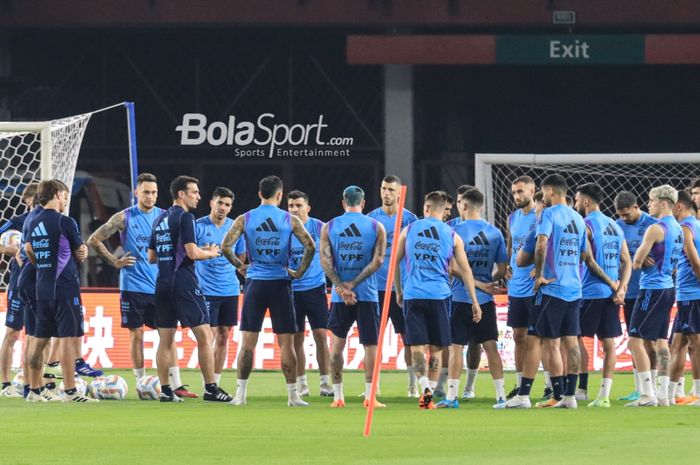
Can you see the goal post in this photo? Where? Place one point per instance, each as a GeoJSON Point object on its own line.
{"type": "Point", "coordinates": [634, 172]}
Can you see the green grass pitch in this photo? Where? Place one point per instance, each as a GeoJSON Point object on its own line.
{"type": "Point", "coordinates": [266, 431]}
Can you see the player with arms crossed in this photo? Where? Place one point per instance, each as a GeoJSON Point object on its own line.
{"type": "Point", "coordinates": [429, 245]}
{"type": "Point", "coordinates": [173, 246]}
{"type": "Point", "coordinates": [663, 241]}
{"type": "Point", "coordinates": [268, 231]}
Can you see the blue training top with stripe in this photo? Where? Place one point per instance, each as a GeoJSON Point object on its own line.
{"type": "Point", "coordinates": [353, 237]}
{"type": "Point", "coordinates": [268, 235]}
{"type": "Point", "coordinates": [16, 223]}
{"type": "Point", "coordinates": [606, 247]}
{"type": "Point", "coordinates": [484, 246]}
{"type": "Point", "coordinates": [566, 234]}
{"type": "Point", "coordinates": [138, 226]}
{"type": "Point", "coordinates": [314, 276]}
{"type": "Point", "coordinates": [27, 273]}
{"type": "Point", "coordinates": [687, 283]}
{"type": "Point", "coordinates": [173, 229]}
{"type": "Point", "coordinates": [389, 222]}
{"type": "Point", "coordinates": [217, 277]}
{"type": "Point", "coordinates": [665, 254]}
{"type": "Point", "coordinates": [54, 237]}
{"type": "Point", "coordinates": [520, 226]}
{"type": "Point", "coordinates": [634, 233]}
{"type": "Point", "coordinates": [429, 249]}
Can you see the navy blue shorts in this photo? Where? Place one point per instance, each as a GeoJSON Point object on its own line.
{"type": "Point", "coordinates": [29, 302]}
{"type": "Point", "coordinates": [427, 322]}
{"type": "Point", "coordinates": [366, 314]}
{"type": "Point", "coordinates": [688, 317]}
{"type": "Point", "coordinates": [519, 309]}
{"type": "Point", "coordinates": [275, 295]}
{"type": "Point", "coordinates": [627, 310]}
{"type": "Point", "coordinates": [395, 312]}
{"type": "Point", "coordinates": [465, 331]}
{"type": "Point", "coordinates": [553, 318]}
{"type": "Point", "coordinates": [600, 317]}
{"type": "Point", "coordinates": [138, 309]}
{"type": "Point", "coordinates": [186, 306]}
{"type": "Point", "coordinates": [311, 304]}
{"type": "Point", "coordinates": [223, 311]}
{"type": "Point", "coordinates": [15, 311]}
{"type": "Point", "coordinates": [59, 318]}
{"type": "Point", "coordinates": [652, 313]}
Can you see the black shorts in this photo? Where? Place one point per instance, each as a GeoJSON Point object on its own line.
{"type": "Point", "coordinates": [59, 318]}
{"type": "Point", "coordinates": [553, 318]}
{"type": "Point", "coordinates": [688, 317]}
{"type": "Point", "coordinates": [366, 314]}
{"type": "Point", "coordinates": [465, 331]}
{"type": "Point", "coordinates": [395, 312]}
{"type": "Point", "coordinates": [652, 314]}
{"type": "Point", "coordinates": [627, 310]}
{"type": "Point", "coordinates": [223, 311]}
{"type": "Point", "coordinates": [14, 318]}
{"type": "Point", "coordinates": [519, 309]}
{"type": "Point", "coordinates": [138, 309]}
{"type": "Point", "coordinates": [29, 303]}
{"type": "Point", "coordinates": [186, 306]}
{"type": "Point", "coordinates": [427, 322]}
{"type": "Point", "coordinates": [275, 295]}
{"type": "Point", "coordinates": [600, 317]}
{"type": "Point", "coordinates": [312, 305]}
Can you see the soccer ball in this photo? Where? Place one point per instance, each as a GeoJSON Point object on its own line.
{"type": "Point", "coordinates": [109, 388]}
{"type": "Point", "coordinates": [18, 383]}
{"type": "Point", "coordinates": [11, 237]}
{"type": "Point", "coordinates": [148, 388]}
{"type": "Point", "coordinates": [80, 385]}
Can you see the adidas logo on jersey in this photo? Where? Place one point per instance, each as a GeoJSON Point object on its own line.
{"type": "Point", "coordinates": [679, 239]}
{"type": "Point", "coordinates": [39, 230]}
{"type": "Point", "coordinates": [479, 239]}
{"type": "Point", "coordinates": [572, 229]}
{"type": "Point", "coordinates": [351, 231]}
{"type": "Point", "coordinates": [610, 231]}
{"type": "Point", "coordinates": [267, 226]}
{"type": "Point", "coordinates": [163, 225]}
{"type": "Point", "coordinates": [430, 233]}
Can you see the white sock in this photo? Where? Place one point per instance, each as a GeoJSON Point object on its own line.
{"type": "Point", "coordinates": [324, 379]}
{"type": "Point", "coordinates": [432, 384]}
{"type": "Point", "coordinates": [636, 379]}
{"type": "Point", "coordinates": [217, 378]}
{"type": "Point", "coordinates": [696, 387]}
{"type": "Point", "coordinates": [672, 388]}
{"type": "Point", "coordinates": [301, 379]}
{"type": "Point", "coordinates": [412, 378]}
{"type": "Point", "coordinates": [680, 388]}
{"type": "Point", "coordinates": [140, 373]}
{"type": "Point", "coordinates": [423, 383]}
{"type": "Point", "coordinates": [452, 389]}
{"type": "Point", "coordinates": [645, 386]}
{"type": "Point", "coordinates": [518, 377]}
{"type": "Point", "coordinates": [500, 389]}
{"type": "Point", "coordinates": [471, 378]}
{"type": "Point", "coordinates": [663, 387]}
{"type": "Point", "coordinates": [547, 380]}
{"type": "Point", "coordinates": [442, 379]}
{"type": "Point", "coordinates": [292, 393]}
{"type": "Point", "coordinates": [654, 379]}
{"type": "Point", "coordinates": [174, 375]}
{"type": "Point", "coordinates": [368, 389]}
{"type": "Point", "coordinates": [338, 392]}
{"type": "Point", "coordinates": [605, 388]}
{"type": "Point", "coordinates": [241, 388]}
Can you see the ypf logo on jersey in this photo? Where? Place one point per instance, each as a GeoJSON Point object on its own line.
{"type": "Point", "coordinates": [269, 137]}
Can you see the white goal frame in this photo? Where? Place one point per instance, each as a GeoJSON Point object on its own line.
{"type": "Point", "coordinates": [44, 129]}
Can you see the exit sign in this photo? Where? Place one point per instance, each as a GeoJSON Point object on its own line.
{"type": "Point", "coordinates": [564, 17]}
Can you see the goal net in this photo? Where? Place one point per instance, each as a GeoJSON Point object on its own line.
{"type": "Point", "coordinates": [636, 173]}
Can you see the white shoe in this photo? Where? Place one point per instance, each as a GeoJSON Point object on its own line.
{"type": "Point", "coordinates": [517, 402]}
{"type": "Point", "coordinates": [10, 391]}
{"type": "Point", "coordinates": [581, 394]}
{"type": "Point", "coordinates": [644, 401]}
{"type": "Point", "coordinates": [237, 401]}
{"type": "Point", "coordinates": [664, 402]}
{"type": "Point", "coordinates": [297, 403]}
{"type": "Point", "coordinates": [303, 390]}
{"type": "Point", "coordinates": [78, 398]}
{"type": "Point", "coordinates": [500, 404]}
{"type": "Point", "coordinates": [34, 397]}
{"type": "Point", "coordinates": [325, 390]}
{"type": "Point", "coordinates": [468, 395]}
{"type": "Point", "coordinates": [51, 396]}
{"type": "Point", "coordinates": [567, 402]}
{"type": "Point", "coordinates": [413, 392]}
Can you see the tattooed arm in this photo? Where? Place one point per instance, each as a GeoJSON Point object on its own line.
{"type": "Point", "coordinates": [377, 257]}
{"type": "Point", "coordinates": [114, 225]}
{"type": "Point", "coordinates": [304, 237]}
{"type": "Point", "coordinates": [327, 258]}
{"type": "Point", "coordinates": [232, 236]}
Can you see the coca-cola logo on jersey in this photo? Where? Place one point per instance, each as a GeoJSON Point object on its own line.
{"type": "Point", "coordinates": [430, 247]}
{"type": "Point", "coordinates": [356, 245]}
{"type": "Point", "coordinates": [274, 241]}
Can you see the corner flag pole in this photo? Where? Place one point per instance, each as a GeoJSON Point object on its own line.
{"type": "Point", "coordinates": [385, 313]}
